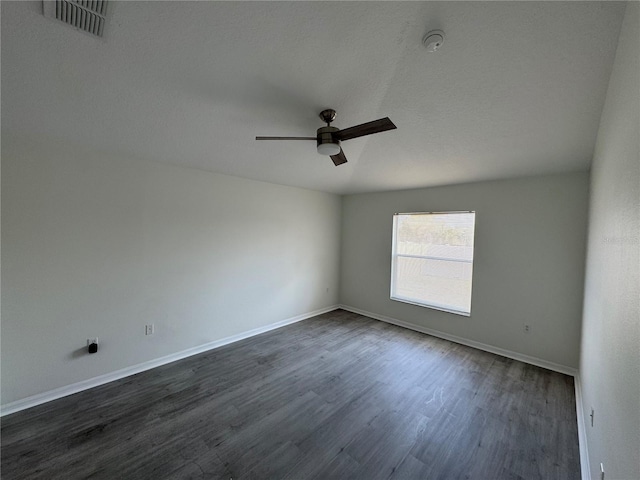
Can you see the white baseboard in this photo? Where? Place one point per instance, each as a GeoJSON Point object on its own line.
{"type": "Point", "coordinates": [56, 393]}
{"type": "Point", "coordinates": [470, 343]}
{"type": "Point", "coordinates": [582, 431]}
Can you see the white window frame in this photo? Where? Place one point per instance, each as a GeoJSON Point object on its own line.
{"type": "Point", "coordinates": [395, 256]}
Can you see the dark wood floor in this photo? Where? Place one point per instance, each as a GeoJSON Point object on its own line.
{"type": "Point", "coordinates": [336, 396]}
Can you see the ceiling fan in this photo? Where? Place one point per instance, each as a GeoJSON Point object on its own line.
{"type": "Point", "coordinates": [328, 138]}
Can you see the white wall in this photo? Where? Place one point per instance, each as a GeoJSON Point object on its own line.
{"type": "Point", "coordinates": [528, 265]}
{"type": "Point", "coordinates": [95, 245]}
{"type": "Point", "coordinates": [610, 354]}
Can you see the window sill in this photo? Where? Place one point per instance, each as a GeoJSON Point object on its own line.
{"type": "Point", "coordinates": [441, 308]}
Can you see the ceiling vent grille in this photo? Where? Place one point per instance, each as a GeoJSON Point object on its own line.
{"type": "Point", "coordinates": [86, 15]}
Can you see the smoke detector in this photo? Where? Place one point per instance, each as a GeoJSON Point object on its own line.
{"type": "Point", "coordinates": [433, 40]}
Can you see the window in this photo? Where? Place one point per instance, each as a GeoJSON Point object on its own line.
{"type": "Point", "coordinates": [432, 260]}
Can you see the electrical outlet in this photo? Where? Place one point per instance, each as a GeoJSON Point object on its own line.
{"type": "Point", "coordinates": [92, 340]}
{"type": "Point", "coordinates": [527, 328]}
{"type": "Point", "coordinates": [592, 414]}
{"type": "Point", "coordinates": [148, 329]}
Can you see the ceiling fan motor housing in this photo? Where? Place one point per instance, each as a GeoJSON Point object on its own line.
{"type": "Point", "coordinates": [327, 143]}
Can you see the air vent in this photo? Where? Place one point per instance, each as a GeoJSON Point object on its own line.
{"type": "Point", "coordinates": [86, 15]}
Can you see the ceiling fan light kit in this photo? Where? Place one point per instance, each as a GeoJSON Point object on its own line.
{"type": "Point", "coordinates": [328, 138]}
{"type": "Point", "coordinates": [327, 143]}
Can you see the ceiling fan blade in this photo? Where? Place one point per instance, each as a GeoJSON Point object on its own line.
{"type": "Point", "coordinates": [339, 159]}
{"type": "Point", "coordinates": [285, 138]}
{"type": "Point", "coordinates": [377, 126]}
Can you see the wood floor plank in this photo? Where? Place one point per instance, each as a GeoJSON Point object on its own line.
{"type": "Point", "coordinates": [336, 396]}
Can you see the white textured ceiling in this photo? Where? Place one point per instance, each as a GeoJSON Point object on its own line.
{"type": "Point", "coordinates": [517, 88]}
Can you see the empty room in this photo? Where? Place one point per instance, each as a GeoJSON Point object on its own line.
{"type": "Point", "coordinates": [320, 240]}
